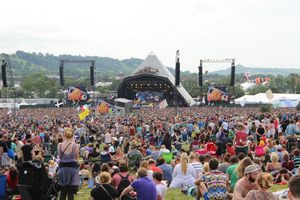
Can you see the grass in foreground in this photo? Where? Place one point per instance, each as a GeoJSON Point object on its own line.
{"type": "Point", "coordinates": [172, 194]}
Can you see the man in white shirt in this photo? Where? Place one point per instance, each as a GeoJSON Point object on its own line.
{"type": "Point", "coordinates": [107, 138]}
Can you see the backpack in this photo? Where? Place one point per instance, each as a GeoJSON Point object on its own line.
{"type": "Point", "coordinates": [124, 183]}
{"type": "Point", "coordinates": [34, 175]}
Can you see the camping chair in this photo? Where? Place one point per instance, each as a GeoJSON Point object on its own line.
{"type": "Point", "coordinates": [201, 151]}
{"type": "Point", "coordinates": [168, 157]}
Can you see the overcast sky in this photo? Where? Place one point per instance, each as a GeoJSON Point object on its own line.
{"type": "Point", "coordinates": [258, 33]}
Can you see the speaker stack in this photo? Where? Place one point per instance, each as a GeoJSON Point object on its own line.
{"type": "Point", "coordinates": [177, 72]}
{"type": "Point", "coordinates": [4, 77]}
{"type": "Point", "coordinates": [92, 74]}
{"type": "Point", "coordinates": [61, 74]}
{"type": "Point", "coordinates": [232, 79]}
{"type": "Point", "coordinates": [200, 82]}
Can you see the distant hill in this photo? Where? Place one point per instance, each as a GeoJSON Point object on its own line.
{"type": "Point", "coordinates": [240, 69]}
{"type": "Point", "coordinates": [24, 63]}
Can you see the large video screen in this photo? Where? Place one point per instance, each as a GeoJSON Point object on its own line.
{"type": "Point", "coordinates": [149, 96]}
{"type": "Point", "coordinates": [217, 94]}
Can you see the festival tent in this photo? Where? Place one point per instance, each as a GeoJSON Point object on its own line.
{"type": "Point", "coordinates": [283, 102]}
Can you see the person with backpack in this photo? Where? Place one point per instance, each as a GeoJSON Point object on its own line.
{"type": "Point", "coordinates": [122, 179]}
{"type": "Point", "coordinates": [119, 177]}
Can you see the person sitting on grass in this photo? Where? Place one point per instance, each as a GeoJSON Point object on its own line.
{"type": "Point", "coordinates": [161, 187]}
{"type": "Point", "coordinates": [213, 184]}
{"type": "Point", "coordinates": [294, 188]}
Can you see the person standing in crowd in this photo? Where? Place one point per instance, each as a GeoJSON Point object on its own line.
{"type": "Point", "coordinates": [260, 132]}
{"type": "Point", "coordinates": [27, 151]}
{"type": "Point", "coordinates": [241, 140]}
{"type": "Point", "coordinates": [68, 169]}
{"type": "Point", "coordinates": [167, 141]}
{"type": "Point", "coordinates": [5, 144]}
{"type": "Point", "coordinates": [245, 184]}
{"type": "Point", "coordinates": [221, 141]}
{"type": "Point", "coordinates": [264, 183]}
{"type": "Point", "coordinates": [144, 187]}
{"type": "Point", "coordinates": [134, 157]}
{"type": "Point", "coordinates": [19, 144]}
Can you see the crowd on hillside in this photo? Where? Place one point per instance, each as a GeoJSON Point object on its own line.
{"type": "Point", "coordinates": [206, 152]}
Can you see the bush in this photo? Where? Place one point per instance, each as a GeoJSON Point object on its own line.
{"type": "Point", "coordinates": [265, 108]}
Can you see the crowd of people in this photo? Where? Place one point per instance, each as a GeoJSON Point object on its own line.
{"type": "Point", "coordinates": [206, 152]}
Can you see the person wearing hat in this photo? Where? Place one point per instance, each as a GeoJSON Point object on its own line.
{"type": "Point", "coordinates": [105, 191]}
{"type": "Point", "coordinates": [247, 183]}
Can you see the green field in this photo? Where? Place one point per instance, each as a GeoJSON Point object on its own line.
{"type": "Point", "coordinates": [172, 194]}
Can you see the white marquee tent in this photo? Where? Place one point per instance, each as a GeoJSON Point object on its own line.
{"type": "Point", "coordinates": [278, 100]}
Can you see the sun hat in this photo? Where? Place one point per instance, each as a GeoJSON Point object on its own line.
{"type": "Point", "coordinates": [250, 169]}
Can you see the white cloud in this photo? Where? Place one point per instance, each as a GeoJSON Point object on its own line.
{"type": "Point", "coordinates": [255, 32]}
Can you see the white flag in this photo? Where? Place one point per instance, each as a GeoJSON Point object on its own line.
{"type": "Point", "coordinates": [163, 104]}
{"type": "Point", "coordinates": [59, 104]}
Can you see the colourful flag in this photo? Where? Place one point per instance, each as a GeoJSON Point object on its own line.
{"type": "Point", "coordinates": [84, 114]}
{"type": "Point", "coordinates": [103, 107]}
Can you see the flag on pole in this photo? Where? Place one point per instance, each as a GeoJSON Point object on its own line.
{"type": "Point", "coordinates": [103, 107]}
{"type": "Point", "coordinates": [59, 103]}
{"type": "Point", "coordinates": [84, 114]}
{"type": "Point", "coordinates": [163, 104]}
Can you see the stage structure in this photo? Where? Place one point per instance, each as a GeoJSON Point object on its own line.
{"type": "Point", "coordinates": [8, 80]}
{"type": "Point", "coordinates": [227, 60]}
{"type": "Point", "coordinates": [64, 61]}
{"type": "Point", "coordinates": [215, 93]}
{"type": "Point", "coordinates": [152, 83]}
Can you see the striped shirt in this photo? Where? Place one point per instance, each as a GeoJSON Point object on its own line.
{"type": "Point", "coordinates": [296, 162]}
{"type": "Point", "coordinates": [197, 167]}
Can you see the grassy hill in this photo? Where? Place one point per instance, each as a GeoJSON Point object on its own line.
{"type": "Point", "coordinates": [24, 63]}
{"type": "Point", "coordinates": [240, 69]}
